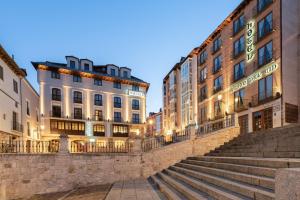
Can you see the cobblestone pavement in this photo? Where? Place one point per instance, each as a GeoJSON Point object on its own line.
{"type": "Point", "coordinates": [89, 193]}
{"type": "Point", "coordinates": [138, 189]}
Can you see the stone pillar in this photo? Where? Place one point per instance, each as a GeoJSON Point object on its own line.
{"type": "Point", "coordinates": [136, 145]}
{"type": "Point", "coordinates": [287, 184]}
{"type": "Point", "coordinates": [64, 144]}
{"type": "Point", "coordinates": [192, 128]}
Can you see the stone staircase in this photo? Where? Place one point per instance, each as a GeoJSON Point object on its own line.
{"type": "Point", "coordinates": [243, 168]}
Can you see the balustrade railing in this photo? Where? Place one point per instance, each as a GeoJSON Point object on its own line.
{"type": "Point", "coordinates": [215, 125]}
{"type": "Point", "coordinates": [100, 147]}
{"type": "Point", "coordinates": [20, 146]}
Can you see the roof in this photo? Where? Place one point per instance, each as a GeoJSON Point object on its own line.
{"type": "Point", "coordinates": [11, 63]}
{"type": "Point", "coordinates": [64, 66]}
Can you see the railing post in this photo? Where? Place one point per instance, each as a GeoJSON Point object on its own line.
{"type": "Point", "coordinates": [137, 146]}
{"type": "Point", "coordinates": [192, 128]}
{"type": "Point", "coordinates": [64, 144]}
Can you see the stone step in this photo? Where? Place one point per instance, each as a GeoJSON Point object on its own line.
{"type": "Point", "coordinates": [265, 182]}
{"type": "Point", "coordinates": [186, 191]}
{"type": "Point", "coordinates": [214, 191]}
{"type": "Point", "coordinates": [246, 190]}
{"type": "Point", "coordinates": [262, 154]}
{"type": "Point", "coordinates": [258, 162]}
{"type": "Point", "coordinates": [165, 189]}
{"type": "Point", "coordinates": [260, 171]}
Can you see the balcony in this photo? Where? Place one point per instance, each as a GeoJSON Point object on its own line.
{"type": "Point", "coordinates": [217, 124]}
{"type": "Point", "coordinates": [97, 118]}
{"type": "Point", "coordinates": [241, 106]}
{"type": "Point", "coordinates": [257, 99]}
{"type": "Point", "coordinates": [99, 134]}
{"type": "Point", "coordinates": [16, 126]}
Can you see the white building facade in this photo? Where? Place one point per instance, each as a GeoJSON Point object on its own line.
{"type": "Point", "coordinates": [88, 101]}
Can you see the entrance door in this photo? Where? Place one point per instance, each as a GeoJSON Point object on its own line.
{"type": "Point", "coordinates": [263, 119]}
{"type": "Point", "coordinates": [243, 123]}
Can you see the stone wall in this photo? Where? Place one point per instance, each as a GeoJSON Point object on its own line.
{"type": "Point", "coordinates": [287, 184]}
{"type": "Point", "coordinates": [22, 175]}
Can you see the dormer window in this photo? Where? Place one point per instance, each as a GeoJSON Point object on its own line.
{"type": "Point", "coordinates": [135, 87]}
{"type": "Point", "coordinates": [72, 64]}
{"type": "Point", "coordinates": [125, 74]}
{"type": "Point", "coordinates": [113, 72]}
{"type": "Point", "coordinates": [86, 67]}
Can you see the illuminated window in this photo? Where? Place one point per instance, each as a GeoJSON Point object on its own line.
{"type": "Point", "coordinates": [218, 108]}
{"type": "Point", "coordinates": [98, 115]}
{"type": "Point", "coordinates": [239, 99]}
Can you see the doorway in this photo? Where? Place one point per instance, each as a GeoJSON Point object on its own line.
{"type": "Point", "coordinates": [263, 119]}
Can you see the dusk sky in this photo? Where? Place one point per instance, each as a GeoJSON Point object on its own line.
{"type": "Point", "coordinates": [148, 36]}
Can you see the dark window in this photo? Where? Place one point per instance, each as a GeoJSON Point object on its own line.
{"type": "Point", "coordinates": [203, 114]}
{"type": "Point", "coordinates": [135, 88]}
{"type": "Point", "coordinates": [77, 98]}
{"type": "Point", "coordinates": [37, 116]}
{"type": "Point", "coordinates": [77, 79]}
{"type": "Point", "coordinates": [56, 94]}
{"type": "Point", "coordinates": [77, 113]}
{"type": "Point", "coordinates": [86, 67]}
{"type": "Point", "coordinates": [117, 85]}
{"type": "Point", "coordinates": [27, 108]}
{"type": "Point", "coordinates": [265, 88]}
{"type": "Point", "coordinates": [55, 75]}
{"type": "Point", "coordinates": [15, 121]}
{"type": "Point", "coordinates": [72, 64]}
{"type": "Point", "coordinates": [203, 74]}
{"type": "Point", "coordinates": [202, 57]}
{"type": "Point", "coordinates": [265, 54]}
{"type": "Point", "coordinates": [265, 26]}
{"type": "Point", "coordinates": [135, 104]}
{"type": "Point", "coordinates": [1, 73]}
{"type": "Point", "coordinates": [98, 100]}
{"type": "Point", "coordinates": [239, 46]}
{"type": "Point", "coordinates": [28, 128]}
{"type": "Point", "coordinates": [218, 108]}
{"type": "Point", "coordinates": [262, 4]}
{"type": "Point", "coordinates": [217, 44]}
{"type": "Point", "coordinates": [117, 102]}
{"type": "Point", "coordinates": [97, 82]}
{"type": "Point", "coordinates": [125, 74]}
{"type": "Point", "coordinates": [15, 83]}
{"type": "Point", "coordinates": [135, 118]}
{"type": "Point", "coordinates": [203, 93]}
{"type": "Point", "coordinates": [113, 72]}
{"type": "Point", "coordinates": [239, 99]}
{"type": "Point", "coordinates": [98, 115]}
{"type": "Point", "coordinates": [239, 70]}
{"type": "Point", "coordinates": [238, 24]}
{"type": "Point", "coordinates": [218, 83]}
{"type": "Point", "coordinates": [56, 111]}
{"type": "Point", "coordinates": [117, 117]}
{"type": "Point", "coordinates": [217, 64]}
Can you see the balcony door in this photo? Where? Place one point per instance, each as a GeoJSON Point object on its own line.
{"type": "Point", "coordinates": [263, 119]}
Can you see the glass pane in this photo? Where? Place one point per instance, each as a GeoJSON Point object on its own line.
{"type": "Point", "coordinates": [261, 89]}
{"type": "Point", "coordinates": [269, 86]}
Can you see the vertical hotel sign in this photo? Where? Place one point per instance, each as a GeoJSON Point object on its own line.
{"type": "Point", "coordinates": [250, 48]}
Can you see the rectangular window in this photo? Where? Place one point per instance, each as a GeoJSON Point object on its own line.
{"type": "Point", "coordinates": [77, 113]}
{"type": "Point", "coordinates": [125, 74]}
{"type": "Point", "coordinates": [117, 102]}
{"type": "Point", "coordinates": [238, 24]}
{"type": "Point", "coordinates": [239, 70]}
{"type": "Point", "coordinates": [202, 57]}
{"type": "Point", "coordinates": [86, 67]}
{"type": "Point", "coordinates": [218, 108]}
{"type": "Point", "coordinates": [203, 114]}
{"type": "Point", "coordinates": [203, 74]}
{"type": "Point", "coordinates": [56, 111]}
{"type": "Point", "coordinates": [97, 82]}
{"type": "Point", "coordinates": [27, 108]}
{"type": "Point", "coordinates": [218, 83]}
{"type": "Point", "coordinates": [72, 64]}
{"type": "Point", "coordinates": [135, 104]}
{"type": "Point", "coordinates": [262, 4]}
{"type": "Point", "coordinates": [239, 99]}
{"type": "Point", "coordinates": [117, 85]}
{"type": "Point", "coordinates": [77, 98]}
{"type": "Point", "coordinates": [120, 131]}
{"type": "Point", "coordinates": [15, 121]}
{"type": "Point", "coordinates": [117, 117]}
{"type": "Point", "coordinates": [1, 73]}
{"type": "Point", "coordinates": [77, 79]}
{"type": "Point", "coordinates": [265, 54]}
{"type": "Point", "coordinates": [56, 94]}
{"type": "Point", "coordinates": [265, 88]}
{"type": "Point", "coordinates": [15, 84]}
{"type": "Point", "coordinates": [135, 88]}
{"type": "Point", "coordinates": [99, 130]}
{"type": "Point", "coordinates": [265, 26]}
{"type": "Point", "coordinates": [135, 118]}
{"type": "Point", "coordinates": [113, 72]}
{"type": "Point", "coordinates": [98, 115]}
{"type": "Point", "coordinates": [203, 93]}
{"type": "Point", "coordinates": [55, 75]}
{"type": "Point", "coordinates": [98, 100]}
{"type": "Point", "coordinates": [28, 128]}
{"type": "Point", "coordinates": [217, 44]}
{"type": "Point", "coordinates": [239, 46]}
{"type": "Point", "coordinates": [217, 64]}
